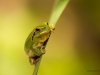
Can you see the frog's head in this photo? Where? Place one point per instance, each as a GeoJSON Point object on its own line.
{"type": "Point", "coordinates": [45, 27]}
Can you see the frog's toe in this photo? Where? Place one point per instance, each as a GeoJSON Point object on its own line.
{"type": "Point", "coordinates": [43, 51]}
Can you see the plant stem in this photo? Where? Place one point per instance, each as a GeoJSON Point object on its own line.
{"type": "Point", "coordinates": [58, 8]}
{"type": "Point", "coordinates": [37, 66]}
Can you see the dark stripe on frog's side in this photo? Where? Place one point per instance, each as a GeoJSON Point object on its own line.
{"type": "Point", "coordinates": [33, 36]}
{"type": "Point", "coordinates": [35, 31]}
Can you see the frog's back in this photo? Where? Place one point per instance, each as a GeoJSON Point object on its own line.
{"type": "Point", "coordinates": [28, 42]}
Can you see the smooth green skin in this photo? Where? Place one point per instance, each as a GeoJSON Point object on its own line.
{"type": "Point", "coordinates": [36, 41]}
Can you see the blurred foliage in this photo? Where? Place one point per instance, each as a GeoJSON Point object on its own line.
{"type": "Point", "coordinates": [73, 48]}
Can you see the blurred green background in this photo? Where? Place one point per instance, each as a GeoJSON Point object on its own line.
{"type": "Point", "coordinates": [73, 49]}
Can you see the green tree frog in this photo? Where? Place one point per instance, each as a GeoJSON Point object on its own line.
{"type": "Point", "coordinates": [36, 41]}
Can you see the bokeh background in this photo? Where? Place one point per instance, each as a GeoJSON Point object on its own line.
{"type": "Point", "coordinates": [73, 49]}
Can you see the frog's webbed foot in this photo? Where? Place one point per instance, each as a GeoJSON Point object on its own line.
{"type": "Point", "coordinates": [43, 49]}
{"type": "Point", "coordinates": [52, 30]}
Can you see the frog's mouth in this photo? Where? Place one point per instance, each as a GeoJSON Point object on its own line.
{"type": "Point", "coordinates": [52, 29]}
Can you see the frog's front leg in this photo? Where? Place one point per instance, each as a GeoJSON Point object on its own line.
{"type": "Point", "coordinates": [38, 50]}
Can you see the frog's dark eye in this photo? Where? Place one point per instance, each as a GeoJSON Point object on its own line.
{"type": "Point", "coordinates": [37, 29]}
{"type": "Point", "coordinates": [47, 24]}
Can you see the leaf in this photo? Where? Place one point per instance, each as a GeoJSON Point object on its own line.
{"type": "Point", "coordinates": [58, 8]}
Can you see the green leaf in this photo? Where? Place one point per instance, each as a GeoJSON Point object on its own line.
{"type": "Point", "coordinates": [58, 8]}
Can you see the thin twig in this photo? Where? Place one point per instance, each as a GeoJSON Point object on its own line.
{"type": "Point", "coordinates": [37, 66]}
{"type": "Point", "coordinates": [58, 8]}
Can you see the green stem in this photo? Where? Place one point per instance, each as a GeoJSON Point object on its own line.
{"type": "Point", "coordinates": [58, 8]}
{"type": "Point", "coordinates": [37, 66]}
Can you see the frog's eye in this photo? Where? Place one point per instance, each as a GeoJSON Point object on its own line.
{"type": "Point", "coordinates": [47, 24]}
{"type": "Point", "coordinates": [37, 29]}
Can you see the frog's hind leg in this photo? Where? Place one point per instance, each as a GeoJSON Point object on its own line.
{"type": "Point", "coordinates": [33, 60]}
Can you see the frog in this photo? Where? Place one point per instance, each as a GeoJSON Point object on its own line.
{"type": "Point", "coordinates": [36, 41]}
